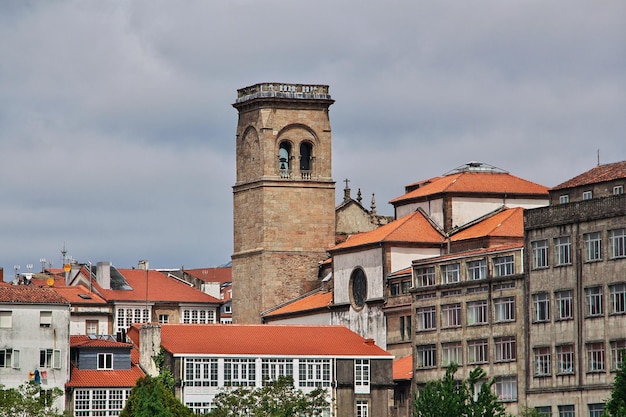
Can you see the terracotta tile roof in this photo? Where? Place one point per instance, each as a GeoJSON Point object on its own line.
{"type": "Point", "coordinates": [414, 228]}
{"type": "Point", "coordinates": [264, 339]}
{"type": "Point", "coordinates": [318, 300]}
{"type": "Point", "coordinates": [119, 378]}
{"type": "Point", "coordinates": [401, 273]}
{"type": "Point", "coordinates": [160, 288]}
{"type": "Point", "coordinates": [97, 342]}
{"type": "Point", "coordinates": [506, 223]}
{"type": "Point", "coordinates": [29, 294]}
{"type": "Point", "coordinates": [219, 274]}
{"type": "Point", "coordinates": [403, 368]}
{"type": "Point", "coordinates": [475, 183]}
{"type": "Point", "coordinates": [600, 173]}
{"type": "Point", "coordinates": [78, 295]}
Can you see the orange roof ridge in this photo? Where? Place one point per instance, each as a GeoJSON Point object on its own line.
{"type": "Point", "coordinates": [597, 174]}
{"type": "Point", "coordinates": [508, 222]}
{"type": "Point", "coordinates": [416, 227]}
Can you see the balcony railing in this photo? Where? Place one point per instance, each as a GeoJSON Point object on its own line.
{"type": "Point", "coordinates": [296, 91]}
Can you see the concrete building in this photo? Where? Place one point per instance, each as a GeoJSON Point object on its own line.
{"type": "Point", "coordinates": [34, 338]}
{"type": "Point", "coordinates": [284, 195]}
{"type": "Point", "coordinates": [355, 373]}
{"type": "Point", "coordinates": [469, 309]}
{"type": "Point", "coordinates": [576, 293]}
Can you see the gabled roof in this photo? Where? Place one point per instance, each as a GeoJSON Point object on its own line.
{"type": "Point", "coordinates": [78, 295]}
{"type": "Point", "coordinates": [598, 174]}
{"type": "Point", "coordinates": [505, 223]}
{"type": "Point", "coordinates": [157, 286]}
{"type": "Point", "coordinates": [414, 228]}
{"type": "Point", "coordinates": [104, 378]}
{"type": "Point", "coordinates": [470, 182]}
{"type": "Point", "coordinates": [97, 342]}
{"type": "Point", "coordinates": [264, 339]}
{"type": "Point", "coordinates": [218, 274]}
{"type": "Point", "coordinates": [29, 294]}
{"type": "Point", "coordinates": [403, 368]}
{"type": "Point", "coordinates": [320, 299]}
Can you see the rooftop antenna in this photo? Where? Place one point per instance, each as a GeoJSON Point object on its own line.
{"type": "Point", "coordinates": [598, 157]}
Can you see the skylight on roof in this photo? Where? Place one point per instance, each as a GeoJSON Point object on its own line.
{"type": "Point", "coordinates": [85, 296]}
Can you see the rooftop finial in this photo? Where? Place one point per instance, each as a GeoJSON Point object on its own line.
{"type": "Point", "coordinates": [346, 191]}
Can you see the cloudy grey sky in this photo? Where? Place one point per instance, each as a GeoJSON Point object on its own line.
{"type": "Point", "coordinates": [117, 130]}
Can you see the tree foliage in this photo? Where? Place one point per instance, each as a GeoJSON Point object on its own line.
{"type": "Point", "coordinates": [28, 401]}
{"type": "Point", "coordinates": [451, 398]}
{"type": "Point", "coordinates": [616, 405]}
{"type": "Point", "coordinates": [150, 398]}
{"type": "Point", "coordinates": [278, 398]}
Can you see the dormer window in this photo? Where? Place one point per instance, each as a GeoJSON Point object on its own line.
{"type": "Point", "coordinates": [284, 157]}
{"type": "Point", "coordinates": [306, 158]}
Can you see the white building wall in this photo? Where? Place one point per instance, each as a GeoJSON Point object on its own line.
{"type": "Point", "coordinates": [318, 318]}
{"type": "Point", "coordinates": [403, 257]}
{"type": "Point", "coordinates": [368, 260]}
{"type": "Point", "coordinates": [433, 208]}
{"type": "Point", "coordinates": [466, 209]}
{"type": "Point", "coordinates": [78, 323]}
{"type": "Point", "coordinates": [27, 336]}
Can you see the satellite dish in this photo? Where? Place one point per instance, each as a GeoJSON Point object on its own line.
{"type": "Point", "coordinates": [50, 282]}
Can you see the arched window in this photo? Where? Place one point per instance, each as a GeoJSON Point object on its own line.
{"type": "Point", "coordinates": [284, 156]}
{"type": "Point", "coordinates": [306, 157]}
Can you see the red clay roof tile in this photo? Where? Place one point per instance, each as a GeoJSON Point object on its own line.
{"type": "Point", "coordinates": [507, 223]}
{"type": "Point", "coordinates": [29, 294]}
{"type": "Point", "coordinates": [403, 368]}
{"type": "Point", "coordinates": [600, 173]}
{"type": "Point", "coordinates": [318, 300]}
{"type": "Point", "coordinates": [475, 183]}
{"type": "Point", "coordinates": [264, 339]}
{"type": "Point", "coordinates": [414, 228]}
{"type": "Point", "coordinates": [118, 378]}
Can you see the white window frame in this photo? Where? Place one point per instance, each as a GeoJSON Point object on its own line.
{"type": "Point", "coordinates": [593, 246]}
{"type": "Point", "coordinates": [450, 315]}
{"type": "Point", "coordinates": [594, 299]}
{"type": "Point", "coordinates": [451, 352]}
{"type": "Point", "coordinates": [451, 273]}
{"type": "Point", "coordinates": [506, 349]}
{"type": "Point", "coordinates": [240, 372]}
{"type": "Point", "coordinates": [568, 410]}
{"type": "Point", "coordinates": [587, 195]}
{"type": "Point", "coordinates": [543, 362]}
{"type": "Point", "coordinates": [314, 373]}
{"type": "Point", "coordinates": [425, 277]}
{"type": "Point", "coordinates": [564, 305]}
{"type": "Point", "coordinates": [596, 358]}
{"type": "Point", "coordinates": [617, 297]}
{"type": "Point", "coordinates": [504, 266]}
{"type": "Point", "coordinates": [618, 189]}
{"type": "Point", "coordinates": [477, 312]}
{"type": "Point", "coordinates": [426, 356]}
{"type": "Point", "coordinates": [540, 251]}
{"type": "Point", "coordinates": [596, 410]}
{"type": "Point", "coordinates": [100, 402]}
{"type": "Point", "coordinates": [506, 388]}
{"type": "Point", "coordinates": [617, 243]}
{"type": "Point", "coordinates": [563, 250]}
{"type": "Point", "coordinates": [426, 318]}
{"type": "Point", "coordinates": [362, 408]}
{"type": "Point", "coordinates": [200, 372]}
{"type": "Point", "coordinates": [361, 376]}
{"type": "Point", "coordinates": [11, 358]}
{"type": "Point", "coordinates": [504, 309]}
{"type": "Point", "coordinates": [617, 346]}
{"type": "Point", "coordinates": [565, 359]}
{"type": "Point", "coordinates": [477, 269]}
{"type": "Point", "coordinates": [477, 351]}
{"type": "Point", "coordinates": [52, 358]}
{"type": "Point", "coordinates": [564, 199]}
{"type": "Point", "coordinates": [105, 360]}
{"type": "Point", "coordinates": [272, 369]}
{"type": "Point", "coordinates": [45, 318]}
{"type": "Point", "coordinates": [541, 307]}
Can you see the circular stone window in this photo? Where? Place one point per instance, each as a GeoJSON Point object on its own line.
{"type": "Point", "coordinates": [358, 288]}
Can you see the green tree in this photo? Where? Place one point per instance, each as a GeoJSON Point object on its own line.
{"type": "Point", "coordinates": [150, 398]}
{"type": "Point", "coordinates": [452, 398]}
{"type": "Point", "coordinates": [28, 400]}
{"type": "Point", "coordinates": [278, 398]}
{"type": "Point", "coordinates": [616, 405]}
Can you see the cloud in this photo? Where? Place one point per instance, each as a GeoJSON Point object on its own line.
{"type": "Point", "coordinates": [118, 131]}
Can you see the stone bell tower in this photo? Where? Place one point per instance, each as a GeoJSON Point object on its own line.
{"type": "Point", "coordinates": [284, 195]}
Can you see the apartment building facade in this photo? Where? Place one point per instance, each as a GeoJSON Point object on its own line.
{"type": "Point", "coordinates": [576, 293]}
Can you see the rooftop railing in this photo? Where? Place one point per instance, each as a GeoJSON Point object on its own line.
{"type": "Point", "coordinates": [294, 91]}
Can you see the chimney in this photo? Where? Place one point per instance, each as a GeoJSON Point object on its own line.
{"type": "Point", "coordinates": [103, 275]}
{"type": "Point", "coordinates": [369, 342]}
{"type": "Point", "coordinates": [143, 265]}
{"type": "Point", "coordinates": [149, 347]}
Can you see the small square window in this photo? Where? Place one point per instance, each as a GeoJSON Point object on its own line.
{"type": "Point", "coordinates": [587, 195]}
{"type": "Point", "coordinates": [45, 318]}
{"type": "Point", "coordinates": [564, 199]}
{"type": "Point", "coordinates": [618, 189]}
